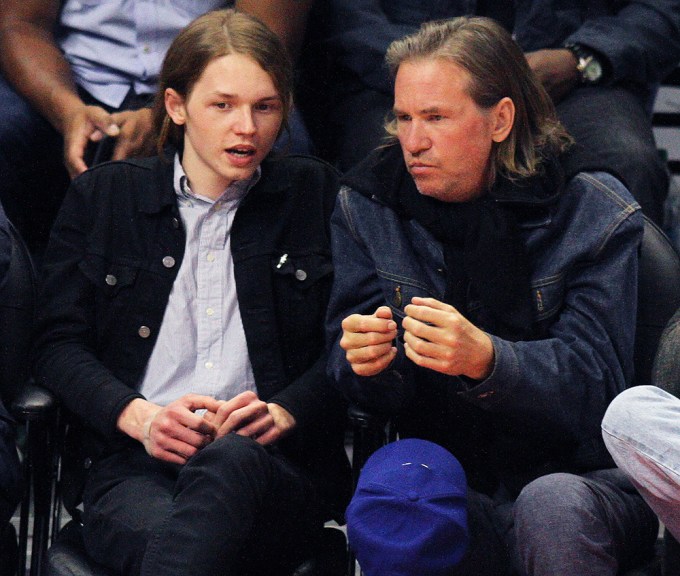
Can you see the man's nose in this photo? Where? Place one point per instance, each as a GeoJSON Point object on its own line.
{"type": "Point", "coordinates": [416, 139]}
{"type": "Point", "coordinates": [245, 124]}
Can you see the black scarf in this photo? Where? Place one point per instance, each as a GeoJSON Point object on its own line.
{"type": "Point", "coordinates": [484, 252]}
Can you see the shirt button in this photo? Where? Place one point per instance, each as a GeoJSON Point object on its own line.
{"type": "Point", "coordinates": [301, 275]}
{"type": "Point", "coordinates": [209, 365]}
{"type": "Point", "coordinates": [168, 261]}
{"type": "Point", "coordinates": [210, 311]}
{"type": "Point", "coordinates": [111, 280]}
{"type": "Point", "coordinates": [147, 49]}
{"type": "Point", "coordinates": [210, 257]}
{"type": "Point", "coordinates": [144, 331]}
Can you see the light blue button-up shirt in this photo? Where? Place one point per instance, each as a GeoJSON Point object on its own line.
{"type": "Point", "coordinates": [115, 45]}
{"type": "Point", "coordinates": [201, 345]}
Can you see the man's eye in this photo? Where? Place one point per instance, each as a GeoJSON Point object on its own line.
{"type": "Point", "coordinates": [435, 117]}
{"type": "Point", "coordinates": [403, 118]}
{"type": "Point", "coordinates": [221, 105]}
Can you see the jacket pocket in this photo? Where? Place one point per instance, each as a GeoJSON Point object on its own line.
{"type": "Point", "coordinates": [113, 286]}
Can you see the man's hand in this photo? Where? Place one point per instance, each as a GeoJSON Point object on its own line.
{"type": "Point", "coordinates": [438, 337]}
{"type": "Point", "coordinates": [173, 433]}
{"type": "Point", "coordinates": [556, 70]}
{"type": "Point", "coordinates": [367, 341]}
{"type": "Point", "coordinates": [247, 415]}
{"type": "Point", "coordinates": [83, 125]}
{"type": "Point", "coordinates": [131, 129]}
{"type": "Point", "coordinates": [136, 130]}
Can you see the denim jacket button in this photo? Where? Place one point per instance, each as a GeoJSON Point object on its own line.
{"type": "Point", "coordinates": [111, 280]}
{"type": "Point", "coordinates": [175, 223]}
{"type": "Point", "coordinates": [301, 275]}
{"type": "Point", "coordinates": [168, 261]}
{"type": "Point", "coordinates": [144, 331]}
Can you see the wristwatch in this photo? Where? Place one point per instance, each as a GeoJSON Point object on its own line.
{"type": "Point", "coordinates": [589, 67]}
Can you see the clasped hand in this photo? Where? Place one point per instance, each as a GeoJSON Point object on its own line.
{"type": "Point", "coordinates": [174, 433]}
{"type": "Point", "coordinates": [436, 336]}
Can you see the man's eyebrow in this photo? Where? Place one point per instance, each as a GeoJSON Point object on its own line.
{"type": "Point", "coordinates": [430, 110]}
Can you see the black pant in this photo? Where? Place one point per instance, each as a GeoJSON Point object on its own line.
{"type": "Point", "coordinates": [234, 508]}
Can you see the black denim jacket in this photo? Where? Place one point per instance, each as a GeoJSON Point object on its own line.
{"type": "Point", "coordinates": [95, 335]}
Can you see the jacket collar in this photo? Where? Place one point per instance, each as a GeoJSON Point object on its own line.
{"type": "Point", "coordinates": [274, 180]}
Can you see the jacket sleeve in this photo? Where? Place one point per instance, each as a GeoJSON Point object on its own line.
{"type": "Point", "coordinates": [65, 343]}
{"type": "Point", "coordinates": [356, 291]}
{"type": "Point", "coordinates": [640, 40]}
{"type": "Point", "coordinates": [360, 34]}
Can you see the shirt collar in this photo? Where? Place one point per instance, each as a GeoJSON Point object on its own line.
{"type": "Point", "coordinates": [236, 191]}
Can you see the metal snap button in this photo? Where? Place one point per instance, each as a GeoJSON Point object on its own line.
{"type": "Point", "coordinates": [111, 280]}
{"type": "Point", "coordinates": [144, 331]}
{"type": "Point", "coordinates": [301, 275]}
{"type": "Point", "coordinates": [168, 261]}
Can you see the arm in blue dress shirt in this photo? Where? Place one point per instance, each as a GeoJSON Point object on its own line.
{"type": "Point", "coordinates": [33, 63]}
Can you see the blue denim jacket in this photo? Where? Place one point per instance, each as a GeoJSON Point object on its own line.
{"type": "Point", "coordinates": [540, 409]}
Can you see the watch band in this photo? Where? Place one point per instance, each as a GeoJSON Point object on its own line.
{"type": "Point", "coordinates": [588, 65]}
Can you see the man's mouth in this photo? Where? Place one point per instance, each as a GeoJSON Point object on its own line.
{"type": "Point", "coordinates": [242, 151]}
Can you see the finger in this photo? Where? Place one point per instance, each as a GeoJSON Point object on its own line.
{"type": "Point", "coordinates": [242, 417]}
{"type": "Point", "coordinates": [361, 323]}
{"type": "Point", "coordinates": [376, 366]}
{"type": "Point", "coordinates": [74, 152]}
{"type": "Point", "coordinates": [256, 427]}
{"type": "Point", "coordinates": [426, 329]}
{"type": "Point", "coordinates": [356, 340]}
{"type": "Point", "coordinates": [384, 312]}
{"type": "Point", "coordinates": [432, 303]}
{"type": "Point", "coordinates": [423, 361]}
{"type": "Point", "coordinates": [427, 348]}
{"type": "Point", "coordinates": [269, 437]}
{"type": "Point", "coordinates": [102, 120]}
{"type": "Point", "coordinates": [368, 353]}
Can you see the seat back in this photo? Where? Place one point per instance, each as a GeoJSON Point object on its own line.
{"type": "Point", "coordinates": [658, 297]}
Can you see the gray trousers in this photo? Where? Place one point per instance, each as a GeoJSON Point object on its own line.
{"type": "Point", "coordinates": [561, 524]}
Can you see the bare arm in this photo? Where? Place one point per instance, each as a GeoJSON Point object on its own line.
{"type": "Point", "coordinates": [32, 61]}
{"type": "Point", "coordinates": [27, 45]}
{"type": "Point", "coordinates": [286, 18]}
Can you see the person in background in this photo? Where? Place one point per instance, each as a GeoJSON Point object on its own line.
{"type": "Point", "coordinates": [640, 429]}
{"type": "Point", "coordinates": [485, 300]}
{"type": "Point", "coordinates": [10, 475]}
{"type": "Point", "coordinates": [181, 324]}
{"type": "Point", "coordinates": [601, 62]}
{"type": "Point", "coordinates": [77, 82]}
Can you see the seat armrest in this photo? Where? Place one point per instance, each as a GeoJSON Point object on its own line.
{"type": "Point", "coordinates": [34, 404]}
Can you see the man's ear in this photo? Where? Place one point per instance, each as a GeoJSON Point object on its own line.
{"type": "Point", "coordinates": [174, 106]}
{"type": "Point", "coordinates": [503, 115]}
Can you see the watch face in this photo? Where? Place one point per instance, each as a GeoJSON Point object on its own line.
{"type": "Point", "coordinates": [592, 71]}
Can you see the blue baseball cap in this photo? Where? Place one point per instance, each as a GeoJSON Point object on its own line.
{"type": "Point", "coordinates": [408, 515]}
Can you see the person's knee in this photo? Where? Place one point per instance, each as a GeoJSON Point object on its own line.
{"type": "Point", "coordinates": [549, 505]}
{"type": "Point", "coordinates": [632, 407]}
{"type": "Point", "coordinates": [233, 456]}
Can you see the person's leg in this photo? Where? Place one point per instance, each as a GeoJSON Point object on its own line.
{"type": "Point", "coordinates": [32, 176]}
{"type": "Point", "coordinates": [238, 508]}
{"type": "Point", "coordinates": [591, 525]}
{"type": "Point", "coordinates": [127, 497]}
{"type": "Point", "coordinates": [641, 429]}
{"type": "Point", "coordinates": [613, 133]}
